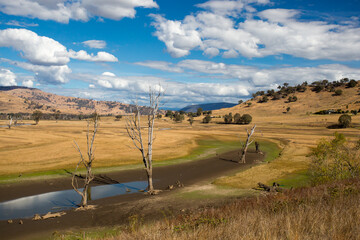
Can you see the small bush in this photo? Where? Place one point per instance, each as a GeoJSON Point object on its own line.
{"type": "Point", "coordinates": [292, 99]}
{"type": "Point", "coordinates": [228, 118]}
{"type": "Point", "coordinates": [338, 92]}
{"type": "Point", "coordinates": [344, 121]}
{"type": "Point", "coordinates": [335, 160]}
{"type": "Point", "coordinates": [206, 119]}
{"type": "Point", "coordinates": [118, 117]}
{"type": "Point", "coordinates": [264, 99]}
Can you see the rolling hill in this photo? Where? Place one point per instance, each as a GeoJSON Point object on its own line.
{"type": "Point", "coordinates": [26, 100]}
{"type": "Point", "coordinates": [307, 102]}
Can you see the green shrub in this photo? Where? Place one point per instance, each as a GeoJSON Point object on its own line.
{"type": "Point", "coordinates": [335, 160]}
{"type": "Point", "coordinates": [37, 115]}
{"type": "Point", "coordinates": [292, 99]}
{"type": "Point", "coordinates": [228, 118]}
{"type": "Point", "coordinates": [352, 83]}
{"type": "Point", "coordinates": [338, 92]}
{"type": "Point", "coordinates": [206, 119]}
{"type": "Point", "coordinates": [344, 121]}
{"type": "Point", "coordinates": [246, 119]}
{"type": "Point", "coordinates": [237, 118]}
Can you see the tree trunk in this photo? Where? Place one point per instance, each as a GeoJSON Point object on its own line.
{"type": "Point", "coordinates": [257, 146]}
{"type": "Point", "coordinates": [242, 159]}
{"type": "Point", "coordinates": [247, 143]}
{"type": "Point", "coordinates": [150, 181]}
{"type": "Point", "coordinates": [84, 196]}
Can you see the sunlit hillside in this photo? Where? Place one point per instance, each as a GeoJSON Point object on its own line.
{"type": "Point", "coordinates": [307, 102]}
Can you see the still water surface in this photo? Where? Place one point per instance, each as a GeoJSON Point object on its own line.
{"type": "Point", "coordinates": [27, 207]}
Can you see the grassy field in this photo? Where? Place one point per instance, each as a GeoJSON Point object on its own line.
{"type": "Point", "coordinates": [47, 148]}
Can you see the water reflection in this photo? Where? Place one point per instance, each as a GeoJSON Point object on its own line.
{"type": "Point", "coordinates": [62, 200]}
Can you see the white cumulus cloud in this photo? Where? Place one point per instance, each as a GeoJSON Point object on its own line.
{"type": "Point", "coordinates": [274, 32]}
{"type": "Point", "coordinates": [46, 57]}
{"type": "Point", "coordinates": [28, 83]}
{"type": "Point", "coordinates": [115, 9]}
{"type": "Point", "coordinates": [99, 57]}
{"type": "Point", "coordinates": [37, 49]}
{"type": "Point", "coordinates": [7, 77]}
{"type": "Point", "coordinates": [80, 10]}
{"type": "Point", "coordinates": [99, 44]}
{"type": "Point", "coordinates": [47, 74]}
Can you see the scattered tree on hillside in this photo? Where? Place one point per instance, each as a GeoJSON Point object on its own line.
{"type": "Point", "coordinates": [37, 116]}
{"type": "Point", "coordinates": [292, 99]}
{"type": "Point", "coordinates": [191, 120]}
{"type": "Point", "coordinates": [135, 132]}
{"type": "Point", "coordinates": [249, 104]}
{"type": "Point", "coordinates": [199, 111]}
{"type": "Point", "coordinates": [206, 119]}
{"type": "Point", "coordinates": [338, 92]}
{"type": "Point", "coordinates": [228, 118]}
{"type": "Point", "coordinates": [237, 118]}
{"type": "Point", "coordinates": [264, 99]}
{"type": "Point", "coordinates": [240, 101]}
{"type": "Point", "coordinates": [86, 162]}
{"type": "Point", "coordinates": [168, 113]}
{"type": "Point", "coordinates": [344, 121]}
{"type": "Point", "coordinates": [247, 144]}
{"type": "Point", "coordinates": [177, 117]}
{"type": "Point", "coordinates": [246, 119]}
{"type": "Point", "coordinates": [287, 109]}
{"type": "Point", "coordinates": [57, 115]}
{"type": "Point", "coordinates": [118, 117]}
{"type": "Point", "coordinates": [352, 83]}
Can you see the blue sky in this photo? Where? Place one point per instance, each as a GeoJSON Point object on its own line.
{"type": "Point", "coordinates": [199, 51]}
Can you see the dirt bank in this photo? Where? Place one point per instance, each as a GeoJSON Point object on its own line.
{"type": "Point", "coordinates": [116, 210]}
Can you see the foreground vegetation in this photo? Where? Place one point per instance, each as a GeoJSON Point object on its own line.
{"type": "Point", "coordinates": [328, 211]}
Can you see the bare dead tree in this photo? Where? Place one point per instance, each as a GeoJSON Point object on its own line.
{"type": "Point", "coordinates": [134, 131]}
{"type": "Point", "coordinates": [86, 162]}
{"type": "Point", "coordinates": [247, 144]}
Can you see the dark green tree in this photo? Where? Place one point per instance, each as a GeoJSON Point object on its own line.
{"type": "Point", "coordinates": [228, 118]}
{"type": "Point", "coordinates": [246, 119]}
{"type": "Point", "coordinates": [206, 119]}
{"type": "Point", "coordinates": [237, 118]}
{"type": "Point", "coordinates": [37, 115]}
{"type": "Point", "coordinates": [352, 83]}
{"type": "Point", "coordinates": [338, 92]}
{"type": "Point", "coordinates": [191, 120]}
{"type": "Point", "coordinates": [344, 121]}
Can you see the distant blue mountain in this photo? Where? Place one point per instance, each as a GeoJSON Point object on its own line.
{"type": "Point", "coordinates": [207, 106]}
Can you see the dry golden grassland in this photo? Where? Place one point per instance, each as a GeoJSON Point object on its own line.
{"type": "Point", "coordinates": [49, 145]}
